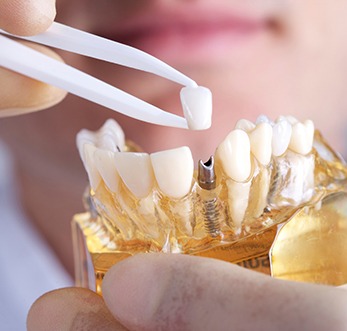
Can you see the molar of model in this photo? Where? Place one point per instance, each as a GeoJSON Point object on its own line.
{"type": "Point", "coordinates": [197, 107]}
{"type": "Point", "coordinates": [282, 132]}
{"type": "Point", "coordinates": [245, 125]}
{"type": "Point", "coordinates": [136, 171]}
{"type": "Point", "coordinates": [263, 119]}
{"type": "Point", "coordinates": [173, 170]}
{"type": "Point", "coordinates": [291, 119]}
{"type": "Point", "coordinates": [261, 140]}
{"type": "Point", "coordinates": [234, 155]}
{"type": "Point", "coordinates": [302, 137]}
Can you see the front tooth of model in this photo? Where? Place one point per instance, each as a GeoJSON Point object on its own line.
{"type": "Point", "coordinates": [89, 164]}
{"type": "Point", "coordinates": [111, 136]}
{"type": "Point", "coordinates": [197, 107]}
{"type": "Point", "coordinates": [108, 142]}
{"type": "Point", "coordinates": [261, 139]}
{"type": "Point", "coordinates": [245, 125]}
{"type": "Point", "coordinates": [84, 137]}
{"type": "Point", "coordinates": [135, 169]}
{"type": "Point", "coordinates": [173, 170]}
{"type": "Point", "coordinates": [234, 155]}
{"type": "Point", "coordinates": [106, 165]}
{"type": "Point", "coordinates": [302, 137]}
{"type": "Point", "coordinates": [282, 131]}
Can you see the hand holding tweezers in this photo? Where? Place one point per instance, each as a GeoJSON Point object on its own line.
{"type": "Point", "coordinates": [24, 60]}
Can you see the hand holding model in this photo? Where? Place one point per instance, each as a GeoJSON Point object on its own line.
{"type": "Point", "coordinates": [178, 292]}
{"type": "Point", "coordinates": [171, 292]}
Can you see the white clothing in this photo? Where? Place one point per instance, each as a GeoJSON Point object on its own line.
{"type": "Point", "coordinates": [28, 266]}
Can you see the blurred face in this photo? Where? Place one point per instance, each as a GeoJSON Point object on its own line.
{"type": "Point", "coordinates": [258, 57]}
{"type": "Point", "coordinates": [273, 57]}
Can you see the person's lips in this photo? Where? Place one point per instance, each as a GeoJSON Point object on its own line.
{"type": "Point", "coordinates": [182, 36]}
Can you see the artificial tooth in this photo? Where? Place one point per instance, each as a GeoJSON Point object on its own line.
{"type": "Point", "coordinates": [261, 139]}
{"type": "Point", "coordinates": [111, 136]}
{"type": "Point", "coordinates": [197, 107]}
{"type": "Point", "coordinates": [135, 169]}
{"type": "Point", "coordinates": [302, 137]}
{"type": "Point", "coordinates": [238, 196]}
{"type": "Point", "coordinates": [234, 155]}
{"type": "Point", "coordinates": [259, 193]}
{"type": "Point", "coordinates": [84, 137]}
{"type": "Point", "coordinates": [263, 119]}
{"type": "Point", "coordinates": [108, 142]}
{"type": "Point", "coordinates": [291, 119]}
{"type": "Point", "coordinates": [245, 125]}
{"type": "Point", "coordinates": [89, 164]}
{"type": "Point", "coordinates": [294, 181]}
{"type": "Point", "coordinates": [173, 170]}
{"type": "Point", "coordinates": [282, 131]}
{"type": "Point", "coordinates": [106, 165]}
{"type": "Point", "coordinates": [147, 209]}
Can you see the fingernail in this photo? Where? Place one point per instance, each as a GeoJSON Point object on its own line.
{"type": "Point", "coordinates": [134, 289]}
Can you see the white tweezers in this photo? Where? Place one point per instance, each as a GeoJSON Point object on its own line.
{"type": "Point", "coordinates": [24, 60]}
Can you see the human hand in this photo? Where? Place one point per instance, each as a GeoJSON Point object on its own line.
{"type": "Point", "coordinates": [19, 94]}
{"type": "Point", "coordinates": [179, 292]}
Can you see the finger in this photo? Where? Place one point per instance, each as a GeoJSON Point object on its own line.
{"type": "Point", "coordinates": [178, 292]}
{"type": "Point", "coordinates": [26, 17]}
{"type": "Point", "coordinates": [20, 94]}
{"type": "Point", "coordinates": [71, 309]}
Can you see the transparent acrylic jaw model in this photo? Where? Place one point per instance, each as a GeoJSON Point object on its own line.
{"type": "Point", "coordinates": [288, 220]}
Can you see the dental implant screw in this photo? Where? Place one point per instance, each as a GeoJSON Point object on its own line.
{"type": "Point", "coordinates": [209, 196]}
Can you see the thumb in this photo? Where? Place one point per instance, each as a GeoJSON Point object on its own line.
{"type": "Point", "coordinates": [26, 17]}
{"type": "Point", "coordinates": [178, 292]}
{"type": "Point", "coordinates": [72, 309]}
{"type": "Point", "coordinates": [20, 94]}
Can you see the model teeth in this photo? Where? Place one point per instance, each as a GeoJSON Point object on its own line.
{"type": "Point", "coordinates": [105, 164]}
{"type": "Point", "coordinates": [88, 158]}
{"type": "Point", "coordinates": [234, 155]}
{"type": "Point", "coordinates": [135, 169]}
{"type": "Point", "coordinates": [291, 119]}
{"type": "Point", "coordinates": [263, 119]}
{"type": "Point", "coordinates": [261, 139]}
{"type": "Point", "coordinates": [282, 132]}
{"type": "Point", "coordinates": [197, 107]}
{"type": "Point", "coordinates": [245, 125]}
{"type": "Point", "coordinates": [238, 196]}
{"type": "Point", "coordinates": [111, 136]}
{"type": "Point", "coordinates": [259, 193]}
{"type": "Point", "coordinates": [173, 171]}
{"type": "Point", "coordinates": [156, 197]}
{"type": "Point", "coordinates": [302, 137]}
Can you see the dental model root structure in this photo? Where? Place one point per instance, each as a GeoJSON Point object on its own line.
{"type": "Point", "coordinates": [262, 174]}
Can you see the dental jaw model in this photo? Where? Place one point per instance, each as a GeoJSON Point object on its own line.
{"type": "Point", "coordinates": [271, 198]}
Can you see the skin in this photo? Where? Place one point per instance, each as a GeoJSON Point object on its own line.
{"type": "Point", "coordinates": [296, 68]}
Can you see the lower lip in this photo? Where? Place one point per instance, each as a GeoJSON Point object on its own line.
{"type": "Point", "coordinates": [198, 43]}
